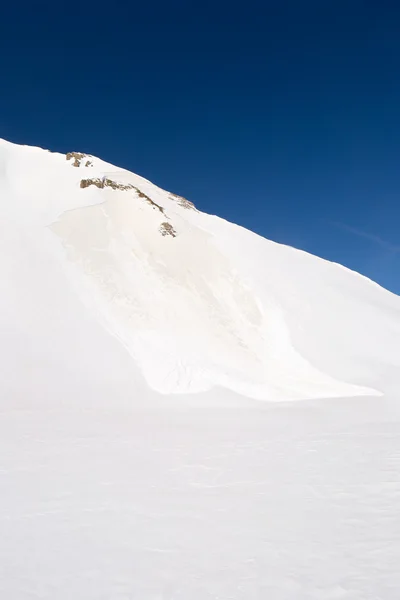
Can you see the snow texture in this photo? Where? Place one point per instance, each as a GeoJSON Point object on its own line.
{"type": "Point", "coordinates": [150, 445]}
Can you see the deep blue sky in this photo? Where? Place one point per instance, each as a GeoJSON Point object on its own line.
{"type": "Point", "coordinates": [281, 116]}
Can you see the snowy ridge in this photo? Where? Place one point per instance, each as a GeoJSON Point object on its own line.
{"type": "Point", "coordinates": [196, 301]}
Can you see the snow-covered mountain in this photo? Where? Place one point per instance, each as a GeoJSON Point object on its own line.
{"type": "Point", "coordinates": [137, 338]}
{"type": "Point", "coordinates": [196, 301]}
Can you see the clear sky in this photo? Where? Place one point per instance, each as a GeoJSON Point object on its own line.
{"type": "Point", "coordinates": [281, 116]}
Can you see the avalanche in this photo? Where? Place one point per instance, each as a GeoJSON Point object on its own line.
{"type": "Point", "coordinates": [197, 302]}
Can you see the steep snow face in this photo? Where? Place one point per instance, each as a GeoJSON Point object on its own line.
{"type": "Point", "coordinates": [197, 302]}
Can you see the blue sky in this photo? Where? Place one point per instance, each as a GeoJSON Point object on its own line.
{"type": "Point", "coordinates": [281, 116]}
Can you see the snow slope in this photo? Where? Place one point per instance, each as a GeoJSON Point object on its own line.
{"type": "Point", "coordinates": [117, 481]}
{"type": "Point", "coordinates": [196, 301]}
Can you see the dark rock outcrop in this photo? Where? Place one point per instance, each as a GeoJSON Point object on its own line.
{"type": "Point", "coordinates": [167, 229]}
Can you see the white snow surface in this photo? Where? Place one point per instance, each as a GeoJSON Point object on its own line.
{"type": "Point", "coordinates": [213, 305]}
{"type": "Point", "coordinates": [145, 451]}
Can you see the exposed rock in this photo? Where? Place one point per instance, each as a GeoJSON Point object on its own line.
{"type": "Point", "coordinates": [115, 185]}
{"type": "Point", "coordinates": [78, 156]}
{"type": "Point", "coordinates": [149, 200]}
{"type": "Point", "coordinates": [87, 182]}
{"type": "Point", "coordinates": [167, 229]}
{"type": "Point", "coordinates": [105, 182]}
{"type": "Point", "coordinates": [183, 202]}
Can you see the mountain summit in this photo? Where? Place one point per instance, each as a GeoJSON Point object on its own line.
{"type": "Point", "coordinates": [112, 285]}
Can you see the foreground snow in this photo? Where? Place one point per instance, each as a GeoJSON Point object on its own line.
{"type": "Point", "coordinates": [137, 462]}
{"type": "Point", "coordinates": [285, 502]}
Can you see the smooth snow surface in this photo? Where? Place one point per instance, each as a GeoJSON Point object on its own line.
{"type": "Point", "coordinates": [141, 457]}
